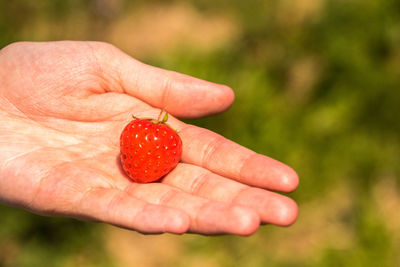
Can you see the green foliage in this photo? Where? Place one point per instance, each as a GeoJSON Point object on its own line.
{"type": "Point", "coordinates": [339, 127]}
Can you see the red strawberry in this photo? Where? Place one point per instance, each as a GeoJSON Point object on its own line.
{"type": "Point", "coordinates": [149, 149]}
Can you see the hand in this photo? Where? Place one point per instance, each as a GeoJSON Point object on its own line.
{"type": "Point", "coordinates": [63, 106]}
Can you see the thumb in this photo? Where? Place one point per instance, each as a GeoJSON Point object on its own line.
{"type": "Point", "coordinates": [179, 94]}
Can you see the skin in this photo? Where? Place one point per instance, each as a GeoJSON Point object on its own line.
{"type": "Point", "coordinates": [63, 106]}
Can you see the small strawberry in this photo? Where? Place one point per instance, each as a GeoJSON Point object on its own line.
{"type": "Point", "coordinates": [149, 149]}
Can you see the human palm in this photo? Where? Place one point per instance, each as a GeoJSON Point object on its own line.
{"type": "Point", "coordinates": [62, 108]}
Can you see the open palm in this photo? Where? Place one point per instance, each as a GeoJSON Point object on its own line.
{"type": "Point", "coordinates": [63, 106]}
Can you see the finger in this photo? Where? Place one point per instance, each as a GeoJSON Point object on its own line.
{"type": "Point", "coordinates": [271, 207]}
{"type": "Point", "coordinates": [121, 209]}
{"type": "Point", "coordinates": [206, 217]}
{"type": "Point", "coordinates": [86, 190]}
{"type": "Point", "coordinates": [211, 151]}
{"type": "Point", "coordinates": [181, 95]}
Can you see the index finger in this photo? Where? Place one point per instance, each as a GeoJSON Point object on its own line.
{"type": "Point", "coordinates": [214, 152]}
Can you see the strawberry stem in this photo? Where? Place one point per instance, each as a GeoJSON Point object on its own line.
{"type": "Point", "coordinates": [165, 118]}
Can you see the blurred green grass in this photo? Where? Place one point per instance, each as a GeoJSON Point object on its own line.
{"type": "Point", "coordinates": [317, 87]}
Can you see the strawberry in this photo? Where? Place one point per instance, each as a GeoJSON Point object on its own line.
{"type": "Point", "coordinates": [149, 149]}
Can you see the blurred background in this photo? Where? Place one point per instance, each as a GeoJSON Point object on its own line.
{"type": "Point", "coordinates": [317, 86]}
